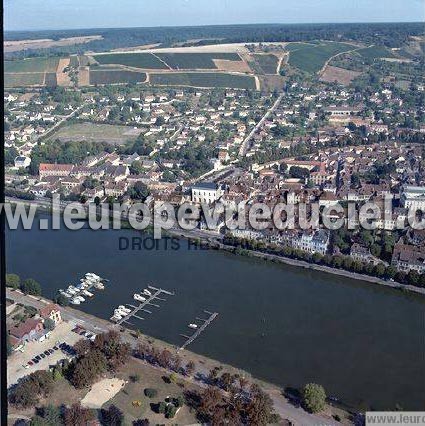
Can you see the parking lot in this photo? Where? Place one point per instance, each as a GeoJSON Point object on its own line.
{"type": "Point", "coordinates": [64, 332]}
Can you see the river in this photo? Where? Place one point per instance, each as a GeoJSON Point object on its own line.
{"type": "Point", "coordinates": [364, 343]}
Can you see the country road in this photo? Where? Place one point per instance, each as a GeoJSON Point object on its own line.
{"type": "Point", "coordinates": [245, 144]}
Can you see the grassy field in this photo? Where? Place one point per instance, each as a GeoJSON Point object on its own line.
{"type": "Point", "coordinates": [137, 60]}
{"type": "Point", "coordinates": [31, 65]}
{"type": "Point", "coordinates": [204, 80]}
{"type": "Point", "coordinates": [23, 80]}
{"type": "Point", "coordinates": [134, 391]}
{"type": "Point", "coordinates": [118, 76]}
{"type": "Point", "coordinates": [312, 58]}
{"type": "Point", "coordinates": [187, 61]}
{"type": "Point", "coordinates": [267, 63]}
{"type": "Point", "coordinates": [95, 133]}
{"type": "Point", "coordinates": [375, 52]}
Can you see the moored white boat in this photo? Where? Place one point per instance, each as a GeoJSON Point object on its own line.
{"type": "Point", "coordinates": [147, 292]}
{"type": "Point", "coordinates": [138, 297]}
{"type": "Point", "coordinates": [194, 326]}
{"type": "Point", "coordinates": [87, 293]}
{"type": "Point", "coordinates": [75, 301]}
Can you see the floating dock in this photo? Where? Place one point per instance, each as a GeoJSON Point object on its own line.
{"type": "Point", "coordinates": [148, 302]}
{"type": "Point", "coordinates": [205, 323]}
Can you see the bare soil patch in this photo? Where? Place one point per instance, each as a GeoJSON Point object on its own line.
{"type": "Point", "coordinates": [235, 66]}
{"type": "Point", "coordinates": [101, 392]}
{"type": "Point", "coordinates": [340, 75]}
{"type": "Point", "coordinates": [83, 76]}
{"type": "Point", "coordinates": [61, 76]}
{"type": "Point", "coordinates": [18, 45]}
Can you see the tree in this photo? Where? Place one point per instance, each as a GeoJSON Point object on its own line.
{"type": "Point", "coordinates": [77, 415]}
{"type": "Point", "coordinates": [61, 300]}
{"type": "Point", "coordinates": [112, 416]}
{"type": "Point", "coordinates": [13, 280]}
{"type": "Point", "coordinates": [170, 411]}
{"type": "Point", "coordinates": [49, 324]}
{"type": "Point", "coordinates": [31, 388]}
{"type": "Point", "coordinates": [413, 278]}
{"type": "Point", "coordinates": [139, 191]}
{"type": "Point", "coordinates": [259, 409]}
{"type": "Point", "coordinates": [314, 397]}
{"type": "Point", "coordinates": [31, 286]}
{"type": "Point", "coordinates": [52, 415]}
{"type": "Point", "coordinates": [88, 368]}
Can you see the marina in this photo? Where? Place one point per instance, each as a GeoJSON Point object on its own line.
{"type": "Point", "coordinates": [205, 323]}
{"type": "Point", "coordinates": [123, 314]}
{"type": "Point", "coordinates": [89, 282]}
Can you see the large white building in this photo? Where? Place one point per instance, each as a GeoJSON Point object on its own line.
{"type": "Point", "coordinates": [413, 197]}
{"type": "Point", "coordinates": [206, 192]}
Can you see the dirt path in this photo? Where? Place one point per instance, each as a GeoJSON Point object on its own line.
{"type": "Point", "coordinates": [159, 59]}
{"type": "Point", "coordinates": [339, 54]}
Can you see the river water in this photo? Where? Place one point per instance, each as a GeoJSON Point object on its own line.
{"type": "Point", "coordinates": [365, 344]}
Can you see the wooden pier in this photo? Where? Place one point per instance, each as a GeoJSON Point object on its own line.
{"type": "Point", "coordinates": [148, 302]}
{"type": "Point", "coordinates": [205, 323]}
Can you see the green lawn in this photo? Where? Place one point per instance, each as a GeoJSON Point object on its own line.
{"type": "Point", "coordinates": [204, 80]}
{"type": "Point", "coordinates": [188, 61]}
{"type": "Point", "coordinates": [32, 65]}
{"type": "Point", "coordinates": [138, 60]}
{"type": "Point", "coordinates": [149, 377]}
{"type": "Point", "coordinates": [312, 58]}
{"type": "Point", "coordinates": [95, 133]}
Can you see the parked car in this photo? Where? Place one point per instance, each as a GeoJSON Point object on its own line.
{"type": "Point", "coordinates": [51, 351]}
{"type": "Point", "coordinates": [43, 356]}
{"type": "Point", "coordinates": [30, 362]}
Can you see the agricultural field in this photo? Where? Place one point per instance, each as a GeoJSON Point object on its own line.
{"type": "Point", "coordinates": [375, 52]}
{"type": "Point", "coordinates": [206, 80]}
{"type": "Point", "coordinates": [267, 63]}
{"type": "Point", "coordinates": [311, 59]}
{"type": "Point", "coordinates": [24, 79]}
{"type": "Point", "coordinates": [193, 61]}
{"type": "Point", "coordinates": [51, 79]}
{"type": "Point", "coordinates": [74, 62]}
{"type": "Point", "coordinates": [116, 135]}
{"type": "Point", "coordinates": [137, 60]}
{"type": "Point", "coordinates": [295, 45]}
{"type": "Point", "coordinates": [31, 65]}
{"type": "Point", "coordinates": [339, 75]}
{"type": "Point", "coordinates": [115, 76]}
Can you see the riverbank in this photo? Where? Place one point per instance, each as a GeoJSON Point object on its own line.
{"type": "Point", "coordinates": [298, 263]}
{"type": "Point", "coordinates": [214, 241]}
{"type": "Point", "coordinates": [203, 364]}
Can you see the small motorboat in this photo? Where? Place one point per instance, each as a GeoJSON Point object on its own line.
{"type": "Point", "coordinates": [80, 298]}
{"type": "Point", "coordinates": [147, 292]}
{"type": "Point", "coordinates": [87, 293]}
{"type": "Point", "coordinates": [65, 293]}
{"type": "Point", "coordinates": [75, 301]}
{"type": "Point", "coordinates": [122, 308]}
{"type": "Point", "coordinates": [194, 326]}
{"type": "Point", "coordinates": [139, 297]}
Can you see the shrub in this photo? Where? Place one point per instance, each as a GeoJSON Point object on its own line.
{"type": "Point", "coordinates": [314, 397]}
{"type": "Point", "coordinates": [151, 393]}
